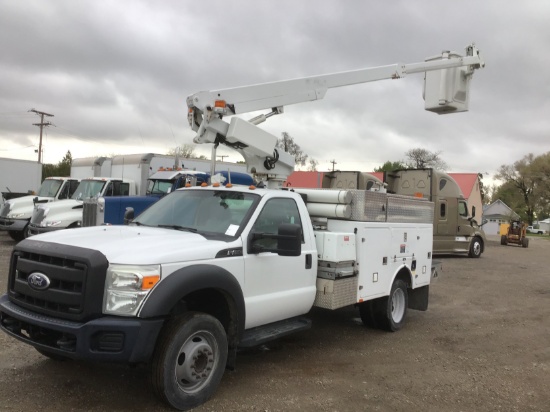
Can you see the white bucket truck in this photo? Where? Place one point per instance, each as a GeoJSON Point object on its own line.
{"type": "Point", "coordinates": [207, 270]}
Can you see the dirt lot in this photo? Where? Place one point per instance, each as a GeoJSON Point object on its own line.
{"type": "Point", "coordinates": [484, 344]}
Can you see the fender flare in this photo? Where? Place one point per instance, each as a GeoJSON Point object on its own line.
{"type": "Point", "coordinates": [189, 279]}
{"type": "Point", "coordinates": [405, 269]}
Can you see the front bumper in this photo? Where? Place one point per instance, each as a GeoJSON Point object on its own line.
{"type": "Point", "coordinates": [16, 225]}
{"type": "Point", "coordinates": [36, 230]}
{"type": "Point", "coordinates": [109, 338]}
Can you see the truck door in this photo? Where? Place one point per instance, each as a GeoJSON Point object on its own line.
{"type": "Point", "coordinates": [278, 287]}
{"type": "Point", "coordinates": [464, 226]}
{"type": "Point", "coordinates": [445, 225]}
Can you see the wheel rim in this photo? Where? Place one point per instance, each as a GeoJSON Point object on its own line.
{"type": "Point", "coordinates": [477, 248]}
{"type": "Point", "coordinates": [398, 305]}
{"type": "Point", "coordinates": [196, 361]}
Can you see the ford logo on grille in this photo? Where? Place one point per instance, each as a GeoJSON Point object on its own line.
{"type": "Point", "coordinates": [38, 281]}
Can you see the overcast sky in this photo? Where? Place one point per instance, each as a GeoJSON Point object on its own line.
{"type": "Point", "coordinates": [115, 75]}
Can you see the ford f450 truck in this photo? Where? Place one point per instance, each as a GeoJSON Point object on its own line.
{"type": "Point", "coordinates": [207, 270]}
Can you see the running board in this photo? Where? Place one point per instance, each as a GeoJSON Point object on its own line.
{"type": "Point", "coordinates": [262, 334]}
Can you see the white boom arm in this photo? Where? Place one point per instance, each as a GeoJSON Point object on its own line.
{"type": "Point", "coordinates": [446, 90]}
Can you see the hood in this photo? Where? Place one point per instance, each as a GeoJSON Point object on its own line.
{"type": "Point", "coordinates": [25, 204]}
{"type": "Point", "coordinates": [138, 244]}
{"type": "Point", "coordinates": [62, 205]}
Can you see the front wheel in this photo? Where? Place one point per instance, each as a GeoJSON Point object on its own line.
{"type": "Point", "coordinates": [392, 309]}
{"type": "Point", "coordinates": [525, 242]}
{"type": "Point", "coordinates": [189, 361]}
{"type": "Point", "coordinates": [475, 248]}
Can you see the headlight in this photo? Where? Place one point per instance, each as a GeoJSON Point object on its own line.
{"type": "Point", "coordinates": [16, 215]}
{"type": "Point", "coordinates": [126, 286]}
{"type": "Point", "coordinates": [50, 223]}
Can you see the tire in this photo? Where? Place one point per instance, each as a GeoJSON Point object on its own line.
{"type": "Point", "coordinates": [392, 310]}
{"type": "Point", "coordinates": [475, 248]}
{"type": "Point", "coordinates": [503, 240]}
{"type": "Point", "coordinates": [17, 235]}
{"type": "Point", "coordinates": [525, 242]}
{"type": "Point", "coordinates": [26, 232]}
{"type": "Point", "coordinates": [52, 356]}
{"type": "Point", "coordinates": [189, 345]}
{"type": "Point", "coordinates": [367, 313]}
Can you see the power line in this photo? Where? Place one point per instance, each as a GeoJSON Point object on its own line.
{"type": "Point", "coordinates": [41, 125]}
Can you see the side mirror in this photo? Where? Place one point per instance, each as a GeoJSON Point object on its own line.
{"type": "Point", "coordinates": [289, 240]}
{"type": "Point", "coordinates": [128, 215]}
{"type": "Point", "coordinates": [473, 211]}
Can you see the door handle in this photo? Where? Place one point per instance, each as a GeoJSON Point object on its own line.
{"type": "Point", "coordinates": [309, 261]}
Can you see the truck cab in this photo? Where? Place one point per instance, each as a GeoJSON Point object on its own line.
{"type": "Point", "coordinates": [15, 214]}
{"type": "Point", "coordinates": [455, 228]}
{"type": "Point", "coordinates": [68, 213]}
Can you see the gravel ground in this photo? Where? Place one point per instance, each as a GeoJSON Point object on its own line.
{"type": "Point", "coordinates": [483, 345]}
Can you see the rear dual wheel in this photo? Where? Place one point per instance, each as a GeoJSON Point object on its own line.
{"type": "Point", "coordinates": [387, 313]}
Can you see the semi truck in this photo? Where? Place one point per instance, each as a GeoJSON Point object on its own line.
{"type": "Point", "coordinates": [455, 228]}
{"type": "Point", "coordinates": [127, 176]}
{"type": "Point", "coordinates": [336, 179]}
{"type": "Point", "coordinates": [16, 214]}
{"type": "Point", "coordinates": [207, 270]}
{"type": "Point", "coordinates": [67, 214]}
{"type": "Point", "coordinates": [111, 210]}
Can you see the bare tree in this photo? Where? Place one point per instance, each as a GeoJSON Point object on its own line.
{"type": "Point", "coordinates": [288, 144]}
{"type": "Point", "coordinates": [186, 151]}
{"type": "Point", "coordinates": [421, 158]}
{"type": "Point", "coordinates": [312, 166]}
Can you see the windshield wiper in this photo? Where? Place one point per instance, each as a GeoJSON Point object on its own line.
{"type": "Point", "coordinates": [177, 227]}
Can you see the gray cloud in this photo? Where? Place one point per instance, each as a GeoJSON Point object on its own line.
{"type": "Point", "coordinates": [116, 75]}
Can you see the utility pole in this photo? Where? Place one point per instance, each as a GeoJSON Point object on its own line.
{"type": "Point", "coordinates": [333, 163]}
{"type": "Point", "coordinates": [41, 124]}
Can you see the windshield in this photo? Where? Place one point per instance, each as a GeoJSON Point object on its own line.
{"type": "Point", "coordinates": [49, 187]}
{"type": "Point", "coordinates": [203, 211]}
{"type": "Point", "coordinates": [88, 188]}
{"type": "Point", "coordinates": [158, 187]}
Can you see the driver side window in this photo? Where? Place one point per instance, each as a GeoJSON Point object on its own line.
{"type": "Point", "coordinates": [275, 212]}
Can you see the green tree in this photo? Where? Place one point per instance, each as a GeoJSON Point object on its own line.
{"type": "Point", "coordinates": [421, 158]}
{"type": "Point", "coordinates": [288, 144]}
{"type": "Point", "coordinates": [528, 178]}
{"type": "Point", "coordinates": [509, 194]}
{"type": "Point", "coordinates": [390, 166]}
{"type": "Point", "coordinates": [63, 168]}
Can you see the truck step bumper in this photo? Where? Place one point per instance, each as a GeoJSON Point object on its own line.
{"type": "Point", "coordinates": [108, 338]}
{"type": "Point", "coordinates": [262, 334]}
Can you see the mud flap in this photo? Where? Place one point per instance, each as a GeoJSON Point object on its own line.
{"type": "Point", "coordinates": [418, 298]}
